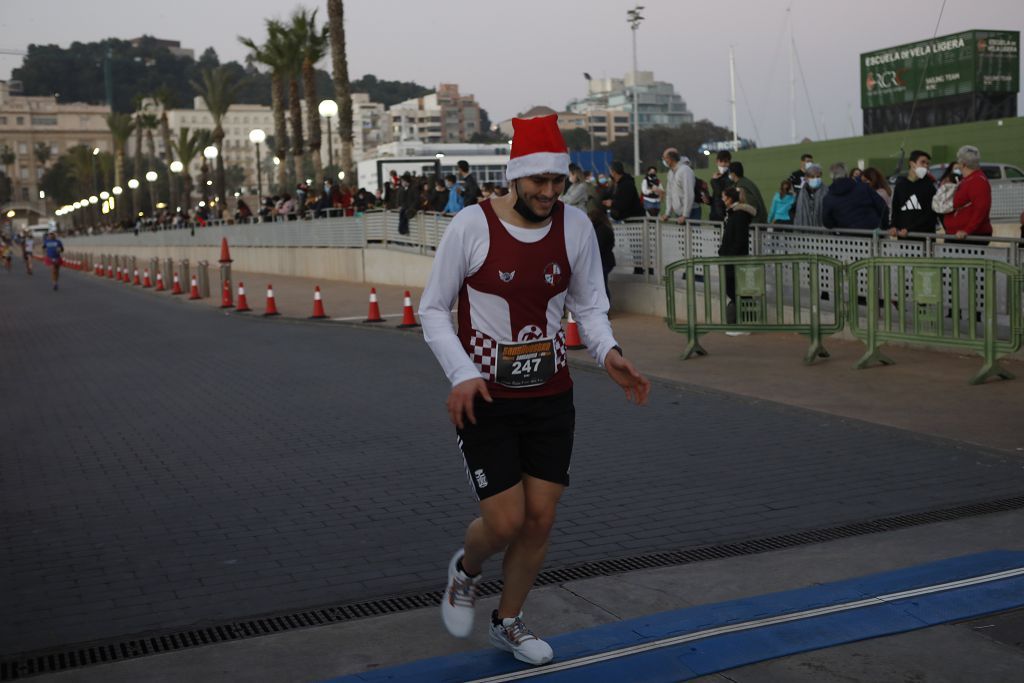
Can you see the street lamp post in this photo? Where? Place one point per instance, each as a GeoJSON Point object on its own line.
{"type": "Point", "coordinates": [210, 153]}
{"type": "Point", "coordinates": [176, 167]}
{"type": "Point", "coordinates": [256, 136]}
{"type": "Point", "coordinates": [329, 109]}
{"type": "Point", "coordinates": [633, 19]}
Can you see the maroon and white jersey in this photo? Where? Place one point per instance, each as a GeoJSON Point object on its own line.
{"type": "Point", "coordinates": [512, 285]}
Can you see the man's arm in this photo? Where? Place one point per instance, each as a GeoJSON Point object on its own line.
{"type": "Point", "coordinates": [688, 179]}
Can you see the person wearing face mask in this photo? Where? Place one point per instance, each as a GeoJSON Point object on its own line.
{"type": "Point", "coordinates": [648, 190]}
{"type": "Point", "coordinates": [513, 264]}
{"type": "Point", "coordinates": [578, 193]}
{"type": "Point", "coordinates": [972, 201]}
{"type": "Point", "coordinates": [455, 200]}
{"type": "Point", "coordinates": [851, 204]}
{"type": "Point", "coordinates": [749, 192]}
{"type": "Point", "coordinates": [781, 212]}
{"type": "Point", "coordinates": [735, 242]}
{"type": "Point", "coordinates": [796, 178]}
{"type": "Point", "coordinates": [677, 194]}
{"type": "Point", "coordinates": [720, 182]}
{"type": "Point", "coordinates": [912, 198]}
{"type": "Point", "coordinates": [811, 198]}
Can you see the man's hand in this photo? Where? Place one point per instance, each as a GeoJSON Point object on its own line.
{"type": "Point", "coordinates": [892, 232]}
{"type": "Point", "coordinates": [461, 398]}
{"type": "Point", "coordinates": [961, 234]}
{"type": "Point", "coordinates": [681, 220]}
{"type": "Point", "coordinates": [636, 386]}
{"type": "Point", "coordinates": [904, 232]}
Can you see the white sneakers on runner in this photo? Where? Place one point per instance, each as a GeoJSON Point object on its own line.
{"type": "Point", "coordinates": [459, 599]}
{"type": "Point", "coordinates": [511, 635]}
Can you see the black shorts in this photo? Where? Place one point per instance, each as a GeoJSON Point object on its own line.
{"type": "Point", "coordinates": [517, 436]}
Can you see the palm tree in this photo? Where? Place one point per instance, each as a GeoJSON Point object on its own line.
{"type": "Point", "coordinates": [41, 150]}
{"type": "Point", "coordinates": [314, 46]}
{"type": "Point", "coordinates": [272, 54]}
{"type": "Point", "coordinates": [293, 38]}
{"type": "Point", "coordinates": [339, 64]}
{"type": "Point", "coordinates": [187, 147]}
{"type": "Point", "coordinates": [149, 122]}
{"type": "Point", "coordinates": [121, 127]}
{"type": "Point", "coordinates": [218, 90]}
{"type": "Point", "coordinates": [165, 97]}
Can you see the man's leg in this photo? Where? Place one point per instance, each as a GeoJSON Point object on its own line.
{"type": "Point", "coordinates": [525, 555]}
{"type": "Point", "coordinates": [499, 524]}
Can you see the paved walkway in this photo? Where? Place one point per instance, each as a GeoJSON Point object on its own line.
{"type": "Point", "coordinates": [272, 500]}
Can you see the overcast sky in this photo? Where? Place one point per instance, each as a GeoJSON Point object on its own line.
{"type": "Point", "coordinates": [513, 55]}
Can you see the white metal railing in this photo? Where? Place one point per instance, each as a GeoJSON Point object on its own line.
{"type": "Point", "coordinates": [643, 246]}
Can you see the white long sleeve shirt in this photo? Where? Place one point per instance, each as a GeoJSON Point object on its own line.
{"type": "Point", "coordinates": [461, 253]}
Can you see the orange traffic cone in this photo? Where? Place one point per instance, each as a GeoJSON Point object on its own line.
{"type": "Point", "coordinates": [225, 296]}
{"type": "Point", "coordinates": [117, 275]}
{"type": "Point", "coordinates": [98, 270]}
{"type": "Point", "coordinates": [572, 335]}
{"type": "Point", "coordinates": [271, 306]}
{"type": "Point", "coordinates": [146, 284]}
{"type": "Point", "coordinates": [318, 306]}
{"type": "Point", "coordinates": [243, 305]}
{"type": "Point", "coordinates": [225, 255]}
{"type": "Point", "coordinates": [110, 272]}
{"type": "Point", "coordinates": [408, 319]}
{"type": "Point", "coordinates": [193, 292]}
{"type": "Point", "coordinates": [135, 280]}
{"type": "Point", "coordinates": [176, 285]}
{"type": "Point", "coordinates": [159, 281]}
{"type": "Point", "coordinates": [373, 316]}
{"type": "Point", "coordinates": [127, 276]}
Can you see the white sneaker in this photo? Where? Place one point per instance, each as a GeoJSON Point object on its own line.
{"type": "Point", "coordinates": [513, 636]}
{"type": "Point", "coordinates": [459, 599]}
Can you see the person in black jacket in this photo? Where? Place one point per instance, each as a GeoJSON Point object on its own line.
{"type": "Point", "coordinates": [605, 243]}
{"type": "Point", "coordinates": [912, 198]}
{"type": "Point", "coordinates": [625, 202]}
{"type": "Point", "coordinates": [735, 241]}
{"type": "Point", "coordinates": [470, 190]}
{"type": "Point", "coordinates": [851, 204]}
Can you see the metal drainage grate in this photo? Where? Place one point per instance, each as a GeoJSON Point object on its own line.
{"type": "Point", "coordinates": [119, 649]}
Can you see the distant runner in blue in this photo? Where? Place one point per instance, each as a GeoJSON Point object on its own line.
{"type": "Point", "coordinates": [53, 248]}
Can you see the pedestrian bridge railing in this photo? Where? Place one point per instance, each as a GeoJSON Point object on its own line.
{"type": "Point", "coordinates": [970, 304]}
{"type": "Point", "coordinates": [796, 293]}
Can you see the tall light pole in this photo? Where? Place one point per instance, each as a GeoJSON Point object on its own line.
{"type": "Point", "coordinates": [209, 153]}
{"type": "Point", "coordinates": [590, 125]}
{"type": "Point", "coordinates": [329, 109]}
{"type": "Point", "coordinates": [633, 19]}
{"type": "Point", "coordinates": [256, 136]}
{"type": "Point", "coordinates": [176, 168]}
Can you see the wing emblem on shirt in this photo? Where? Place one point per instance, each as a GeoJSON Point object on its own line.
{"type": "Point", "coordinates": [506, 277]}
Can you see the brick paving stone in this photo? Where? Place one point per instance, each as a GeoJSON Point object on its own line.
{"type": "Point", "coordinates": [163, 464]}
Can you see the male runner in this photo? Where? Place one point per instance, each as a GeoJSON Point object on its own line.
{"type": "Point", "coordinates": [54, 248]}
{"type": "Point", "coordinates": [514, 263]}
{"type": "Point", "coordinates": [28, 245]}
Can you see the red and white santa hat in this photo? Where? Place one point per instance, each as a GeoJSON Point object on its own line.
{"type": "Point", "coordinates": [537, 147]}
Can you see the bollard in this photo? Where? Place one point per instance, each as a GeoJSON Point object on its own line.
{"type": "Point", "coordinates": [154, 264]}
{"type": "Point", "coordinates": [203, 271]}
{"type": "Point", "coordinates": [225, 277]}
{"type": "Point", "coordinates": [184, 274]}
{"type": "Point", "coordinates": [168, 272]}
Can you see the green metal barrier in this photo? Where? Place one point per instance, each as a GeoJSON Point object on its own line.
{"type": "Point", "coordinates": [947, 302]}
{"type": "Point", "coordinates": [773, 294]}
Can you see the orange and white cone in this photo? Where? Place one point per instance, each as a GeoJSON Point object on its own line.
{"type": "Point", "coordinates": [193, 291]}
{"type": "Point", "coordinates": [159, 281]}
{"type": "Point", "coordinates": [98, 270]}
{"type": "Point", "coordinates": [572, 335]}
{"type": "Point", "coordinates": [408, 318]}
{"type": "Point", "coordinates": [271, 305]}
{"type": "Point", "coordinates": [373, 316]}
{"type": "Point", "coordinates": [243, 304]}
{"type": "Point", "coordinates": [318, 306]}
{"type": "Point", "coordinates": [110, 272]}
{"type": "Point", "coordinates": [176, 286]}
{"type": "Point", "coordinates": [225, 296]}
{"type": "Point", "coordinates": [146, 283]}
{"type": "Point", "coordinates": [135, 279]}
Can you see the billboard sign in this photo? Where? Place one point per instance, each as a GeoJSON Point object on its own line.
{"type": "Point", "coordinates": [957, 64]}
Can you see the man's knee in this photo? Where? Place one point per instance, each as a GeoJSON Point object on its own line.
{"type": "Point", "coordinates": [538, 522]}
{"type": "Point", "coordinates": [504, 526]}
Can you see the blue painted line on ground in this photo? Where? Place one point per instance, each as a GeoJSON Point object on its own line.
{"type": "Point", "coordinates": [721, 652]}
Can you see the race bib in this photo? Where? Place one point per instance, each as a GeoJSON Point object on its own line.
{"type": "Point", "coordinates": [525, 364]}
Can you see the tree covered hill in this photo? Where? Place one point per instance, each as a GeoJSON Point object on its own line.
{"type": "Point", "coordinates": [76, 74]}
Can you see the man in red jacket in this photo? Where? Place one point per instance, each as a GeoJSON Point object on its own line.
{"type": "Point", "coordinates": [973, 198]}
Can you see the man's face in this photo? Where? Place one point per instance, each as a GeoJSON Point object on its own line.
{"type": "Point", "coordinates": [922, 162]}
{"type": "Point", "coordinates": [540, 192]}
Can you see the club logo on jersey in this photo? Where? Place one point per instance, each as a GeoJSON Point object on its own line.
{"type": "Point", "coordinates": [506, 277]}
{"type": "Point", "coordinates": [552, 274]}
{"type": "Point", "coordinates": [481, 479]}
{"type": "Point", "coordinates": [529, 333]}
